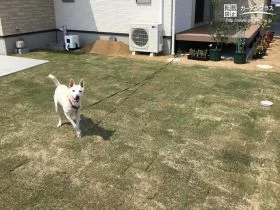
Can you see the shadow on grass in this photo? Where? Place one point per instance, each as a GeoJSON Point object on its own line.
{"type": "Point", "coordinates": [90, 128]}
{"type": "Point", "coordinates": [236, 158]}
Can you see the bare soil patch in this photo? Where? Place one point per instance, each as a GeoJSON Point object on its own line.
{"type": "Point", "coordinates": [108, 47]}
{"type": "Point", "coordinates": [272, 59]}
{"type": "Point", "coordinates": [122, 49]}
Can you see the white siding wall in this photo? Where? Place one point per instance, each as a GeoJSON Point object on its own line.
{"type": "Point", "coordinates": [2, 47]}
{"type": "Point", "coordinates": [1, 29]}
{"type": "Point", "coordinates": [184, 14]}
{"type": "Point", "coordinates": [110, 15]}
{"type": "Point", "coordinates": [167, 17]}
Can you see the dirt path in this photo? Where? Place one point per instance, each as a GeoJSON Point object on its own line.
{"type": "Point", "coordinates": [272, 58]}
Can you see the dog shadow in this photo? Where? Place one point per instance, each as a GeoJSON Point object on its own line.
{"type": "Point", "coordinates": [90, 128]}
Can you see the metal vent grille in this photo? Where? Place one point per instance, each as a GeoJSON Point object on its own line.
{"type": "Point", "coordinates": [143, 1]}
{"type": "Point", "coordinates": [140, 37]}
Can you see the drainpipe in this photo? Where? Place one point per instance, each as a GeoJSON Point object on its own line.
{"type": "Point", "coordinates": [173, 27]}
{"type": "Point", "coordinates": [161, 12]}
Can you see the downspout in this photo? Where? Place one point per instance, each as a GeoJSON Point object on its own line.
{"type": "Point", "coordinates": [161, 11]}
{"type": "Point", "coordinates": [173, 27]}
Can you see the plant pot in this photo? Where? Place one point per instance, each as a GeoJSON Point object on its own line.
{"type": "Point", "coordinates": [270, 35]}
{"type": "Point", "coordinates": [215, 54]}
{"type": "Point", "coordinates": [258, 55]}
{"type": "Point", "coordinates": [239, 57]}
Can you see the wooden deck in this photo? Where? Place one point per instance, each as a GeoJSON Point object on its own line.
{"type": "Point", "coordinates": [202, 34]}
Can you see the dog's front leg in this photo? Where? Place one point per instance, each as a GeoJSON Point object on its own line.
{"type": "Point", "coordinates": [76, 126]}
{"type": "Point", "coordinates": [78, 117]}
{"type": "Point", "coordinates": [59, 119]}
{"type": "Point", "coordinates": [57, 111]}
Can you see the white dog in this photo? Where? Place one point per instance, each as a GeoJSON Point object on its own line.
{"type": "Point", "coordinates": [69, 98]}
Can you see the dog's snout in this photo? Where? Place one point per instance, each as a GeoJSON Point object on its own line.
{"type": "Point", "coordinates": [77, 98]}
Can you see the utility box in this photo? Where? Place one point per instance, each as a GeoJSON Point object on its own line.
{"type": "Point", "coordinates": [71, 42]}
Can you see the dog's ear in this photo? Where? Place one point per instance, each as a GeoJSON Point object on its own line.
{"type": "Point", "coordinates": [82, 83]}
{"type": "Point", "coordinates": [71, 83]}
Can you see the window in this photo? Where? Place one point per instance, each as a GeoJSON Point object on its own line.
{"type": "Point", "coordinates": [143, 1]}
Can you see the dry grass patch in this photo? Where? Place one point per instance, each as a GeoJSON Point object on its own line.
{"type": "Point", "coordinates": [191, 138]}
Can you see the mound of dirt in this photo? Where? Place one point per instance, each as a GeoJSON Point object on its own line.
{"type": "Point", "coordinates": [108, 47]}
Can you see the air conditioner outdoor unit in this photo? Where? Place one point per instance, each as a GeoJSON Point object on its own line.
{"type": "Point", "coordinates": [146, 38]}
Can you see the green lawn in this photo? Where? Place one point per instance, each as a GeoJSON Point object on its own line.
{"type": "Point", "coordinates": [191, 138]}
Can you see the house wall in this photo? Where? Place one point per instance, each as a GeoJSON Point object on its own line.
{"type": "Point", "coordinates": [2, 47]}
{"type": "Point", "coordinates": [275, 26]}
{"type": "Point", "coordinates": [30, 19]}
{"type": "Point", "coordinates": [100, 19]}
{"type": "Point", "coordinates": [26, 16]}
{"type": "Point", "coordinates": [86, 38]}
{"type": "Point", "coordinates": [110, 16]}
{"type": "Point", "coordinates": [1, 30]}
{"type": "Point", "coordinates": [97, 18]}
{"type": "Point", "coordinates": [32, 41]}
{"type": "Point", "coordinates": [185, 14]}
{"type": "Point", "coordinates": [207, 11]}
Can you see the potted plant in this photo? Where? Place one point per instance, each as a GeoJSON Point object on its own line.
{"type": "Point", "coordinates": [191, 54]}
{"type": "Point", "coordinates": [265, 25]}
{"type": "Point", "coordinates": [205, 55]}
{"type": "Point", "coordinates": [240, 43]}
{"type": "Point", "coordinates": [259, 52]}
{"type": "Point", "coordinates": [219, 31]}
{"type": "Point", "coordinates": [179, 52]}
{"type": "Point", "coordinates": [264, 44]}
{"type": "Point", "coordinates": [216, 52]}
{"type": "Point", "coordinates": [240, 54]}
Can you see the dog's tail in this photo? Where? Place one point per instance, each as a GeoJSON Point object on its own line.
{"type": "Point", "coordinates": [53, 78]}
